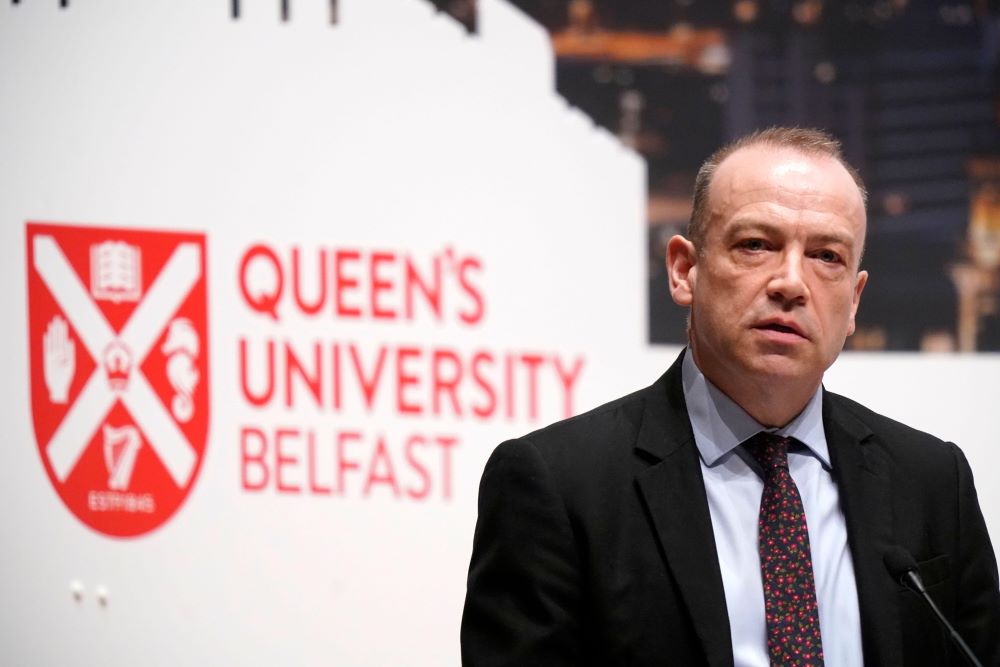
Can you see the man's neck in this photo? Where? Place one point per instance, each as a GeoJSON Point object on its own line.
{"type": "Point", "coordinates": [772, 401]}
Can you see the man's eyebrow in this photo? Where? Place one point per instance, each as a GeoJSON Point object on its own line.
{"type": "Point", "coordinates": [745, 225]}
{"type": "Point", "coordinates": [844, 239]}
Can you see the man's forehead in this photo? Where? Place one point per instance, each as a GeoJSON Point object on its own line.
{"type": "Point", "coordinates": [783, 174]}
{"type": "Point", "coordinates": [779, 161]}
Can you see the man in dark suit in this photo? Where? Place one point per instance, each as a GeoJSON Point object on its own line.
{"type": "Point", "coordinates": [734, 512]}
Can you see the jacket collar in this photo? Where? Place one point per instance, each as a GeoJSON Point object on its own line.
{"type": "Point", "coordinates": [674, 495]}
{"type": "Point", "coordinates": [862, 473]}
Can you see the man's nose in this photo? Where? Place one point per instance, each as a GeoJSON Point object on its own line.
{"type": "Point", "coordinates": [787, 284]}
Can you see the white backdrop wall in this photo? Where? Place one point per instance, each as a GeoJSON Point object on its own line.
{"type": "Point", "coordinates": [331, 522]}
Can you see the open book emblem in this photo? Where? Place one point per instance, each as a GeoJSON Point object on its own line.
{"type": "Point", "coordinates": [115, 271]}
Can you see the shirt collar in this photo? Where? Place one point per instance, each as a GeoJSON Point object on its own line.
{"type": "Point", "coordinates": [720, 425]}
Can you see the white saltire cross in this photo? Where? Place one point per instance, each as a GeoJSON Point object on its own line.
{"type": "Point", "coordinates": [168, 291]}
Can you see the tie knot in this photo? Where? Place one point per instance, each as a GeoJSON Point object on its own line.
{"type": "Point", "coordinates": [770, 451]}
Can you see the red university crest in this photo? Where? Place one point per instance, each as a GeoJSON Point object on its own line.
{"type": "Point", "coordinates": [118, 340]}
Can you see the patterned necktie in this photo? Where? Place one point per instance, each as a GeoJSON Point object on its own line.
{"type": "Point", "coordinates": [790, 608]}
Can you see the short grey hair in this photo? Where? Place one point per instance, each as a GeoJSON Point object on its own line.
{"type": "Point", "coordinates": [809, 141]}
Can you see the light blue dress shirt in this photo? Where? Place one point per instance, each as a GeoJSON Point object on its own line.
{"type": "Point", "coordinates": [734, 488]}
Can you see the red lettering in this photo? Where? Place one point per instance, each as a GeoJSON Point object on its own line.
{"type": "Point", "coordinates": [290, 468]}
{"type": "Point", "coordinates": [314, 486]}
{"type": "Point", "coordinates": [487, 410]}
{"type": "Point", "coordinates": [425, 476]}
{"type": "Point", "coordinates": [446, 443]}
{"type": "Point", "coordinates": [264, 398]}
{"type": "Point", "coordinates": [335, 363]}
{"type": "Point", "coordinates": [381, 285]}
{"type": "Point", "coordinates": [312, 381]}
{"type": "Point", "coordinates": [568, 379]}
{"type": "Point", "coordinates": [404, 379]}
{"type": "Point", "coordinates": [280, 460]}
{"type": "Point", "coordinates": [357, 283]}
{"type": "Point", "coordinates": [414, 283]}
{"type": "Point", "coordinates": [478, 306]}
{"type": "Point", "coordinates": [345, 283]}
{"type": "Point", "coordinates": [315, 306]}
{"type": "Point", "coordinates": [508, 365]}
{"type": "Point", "coordinates": [446, 383]}
{"type": "Point", "coordinates": [381, 457]}
{"type": "Point", "coordinates": [263, 303]}
{"type": "Point", "coordinates": [254, 459]}
{"type": "Point", "coordinates": [532, 361]}
{"type": "Point", "coordinates": [368, 384]}
{"type": "Point", "coordinates": [343, 463]}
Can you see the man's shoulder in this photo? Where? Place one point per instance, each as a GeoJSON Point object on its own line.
{"type": "Point", "coordinates": [598, 439]}
{"type": "Point", "coordinates": [619, 416]}
{"type": "Point", "coordinates": [895, 436]}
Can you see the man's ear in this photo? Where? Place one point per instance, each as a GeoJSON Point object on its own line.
{"type": "Point", "coordinates": [681, 260]}
{"type": "Point", "coordinates": [859, 286]}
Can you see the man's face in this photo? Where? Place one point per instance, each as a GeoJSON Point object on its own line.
{"type": "Point", "coordinates": [775, 287]}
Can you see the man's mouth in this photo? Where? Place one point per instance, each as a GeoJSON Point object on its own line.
{"type": "Point", "coordinates": [781, 328]}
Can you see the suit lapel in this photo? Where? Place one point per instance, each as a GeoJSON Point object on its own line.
{"type": "Point", "coordinates": [674, 493]}
{"type": "Point", "coordinates": [864, 484]}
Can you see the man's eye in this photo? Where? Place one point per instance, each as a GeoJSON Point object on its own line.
{"type": "Point", "coordinates": [753, 244]}
{"type": "Point", "coordinates": [828, 256]}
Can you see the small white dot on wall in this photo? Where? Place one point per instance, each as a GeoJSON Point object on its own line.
{"type": "Point", "coordinates": [76, 590]}
{"type": "Point", "coordinates": [102, 595]}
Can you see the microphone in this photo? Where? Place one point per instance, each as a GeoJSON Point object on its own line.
{"type": "Point", "coordinates": [903, 568]}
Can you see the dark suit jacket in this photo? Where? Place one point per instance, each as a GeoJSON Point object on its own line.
{"type": "Point", "coordinates": [594, 544]}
